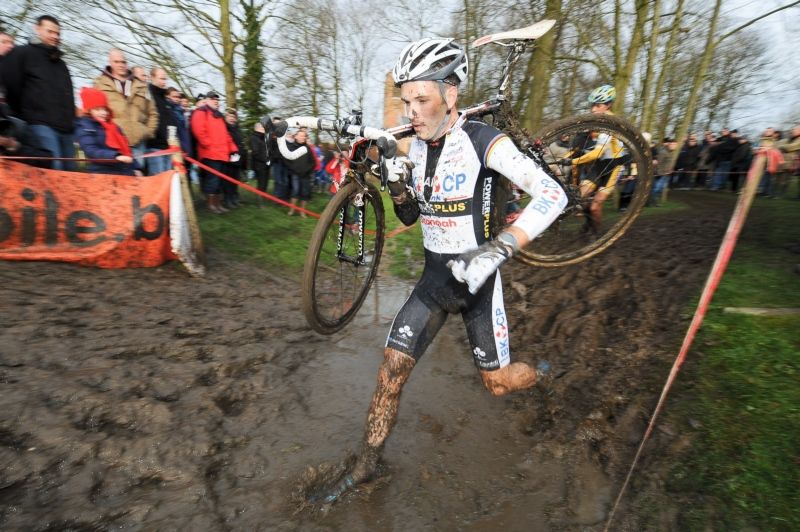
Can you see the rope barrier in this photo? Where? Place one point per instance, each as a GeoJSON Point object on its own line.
{"type": "Point", "coordinates": [168, 151]}
{"type": "Point", "coordinates": [721, 262]}
{"type": "Point", "coordinates": [250, 188]}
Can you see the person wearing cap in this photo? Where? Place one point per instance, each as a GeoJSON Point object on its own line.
{"type": "Point", "coordinates": [101, 138]}
{"type": "Point", "coordinates": [215, 148]}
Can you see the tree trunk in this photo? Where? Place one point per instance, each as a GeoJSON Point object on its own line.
{"type": "Point", "coordinates": [651, 56]}
{"type": "Point", "coordinates": [541, 68]}
{"type": "Point", "coordinates": [228, 71]}
{"type": "Point", "coordinates": [649, 111]}
{"type": "Point", "coordinates": [625, 72]}
{"type": "Point", "coordinates": [699, 79]}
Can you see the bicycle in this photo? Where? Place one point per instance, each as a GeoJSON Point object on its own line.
{"type": "Point", "coordinates": [345, 250]}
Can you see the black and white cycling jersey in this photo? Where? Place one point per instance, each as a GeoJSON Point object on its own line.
{"type": "Point", "coordinates": [455, 183]}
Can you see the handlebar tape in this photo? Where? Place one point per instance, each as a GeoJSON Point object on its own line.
{"type": "Point", "coordinates": [385, 140]}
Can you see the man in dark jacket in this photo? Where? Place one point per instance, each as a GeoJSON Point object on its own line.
{"type": "Point", "coordinates": [39, 90]}
{"type": "Point", "coordinates": [176, 107]}
{"type": "Point", "coordinates": [722, 154]}
{"type": "Point", "coordinates": [740, 162]}
{"type": "Point", "coordinates": [235, 166]}
{"type": "Point", "coordinates": [158, 92]}
{"type": "Point", "coordinates": [259, 158]}
{"type": "Point", "coordinates": [686, 165]}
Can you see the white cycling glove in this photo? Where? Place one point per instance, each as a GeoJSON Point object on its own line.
{"type": "Point", "coordinates": [235, 157]}
{"type": "Point", "coordinates": [476, 266]}
{"type": "Point", "coordinates": [398, 176]}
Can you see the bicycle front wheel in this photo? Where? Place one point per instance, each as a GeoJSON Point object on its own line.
{"type": "Point", "coordinates": [605, 195]}
{"type": "Point", "coordinates": [343, 257]}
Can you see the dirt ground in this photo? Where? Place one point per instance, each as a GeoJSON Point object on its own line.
{"type": "Point", "coordinates": [145, 399]}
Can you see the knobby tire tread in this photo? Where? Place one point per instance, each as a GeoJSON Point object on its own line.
{"type": "Point", "coordinates": [330, 216]}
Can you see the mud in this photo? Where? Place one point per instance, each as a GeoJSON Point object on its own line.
{"type": "Point", "coordinates": [145, 399]}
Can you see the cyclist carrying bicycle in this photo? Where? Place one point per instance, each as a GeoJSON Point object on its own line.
{"type": "Point", "coordinates": [448, 183]}
{"type": "Point", "coordinates": [602, 165]}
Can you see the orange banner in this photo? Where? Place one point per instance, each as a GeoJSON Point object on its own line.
{"type": "Point", "coordinates": [109, 221]}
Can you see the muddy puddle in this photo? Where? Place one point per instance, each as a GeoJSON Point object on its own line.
{"type": "Point", "coordinates": [146, 400]}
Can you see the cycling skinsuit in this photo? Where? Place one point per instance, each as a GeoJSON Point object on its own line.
{"type": "Point", "coordinates": [455, 181]}
{"type": "Point", "coordinates": [608, 157]}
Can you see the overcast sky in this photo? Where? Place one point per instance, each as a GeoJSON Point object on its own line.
{"type": "Point", "coordinates": [777, 102]}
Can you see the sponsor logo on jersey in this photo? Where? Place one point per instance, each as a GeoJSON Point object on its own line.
{"type": "Point", "coordinates": [500, 325]}
{"type": "Point", "coordinates": [480, 353]}
{"type": "Point", "coordinates": [446, 208]}
{"type": "Point", "coordinates": [444, 224]}
{"type": "Point", "coordinates": [453, 182]}
{"type": "Point", "coordinates": [486, 207]}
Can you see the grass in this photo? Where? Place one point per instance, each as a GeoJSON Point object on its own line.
{"type": "Point", "coordinates": [259, 236]}
{"type": "Point", "coordinates": [741, 388]}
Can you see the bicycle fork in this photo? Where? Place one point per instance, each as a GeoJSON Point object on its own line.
{"type": "Point", "coordinates": [359, 204]}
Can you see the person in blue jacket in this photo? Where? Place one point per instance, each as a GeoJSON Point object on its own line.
{"type": "Point", "coordinates": [101, 139]}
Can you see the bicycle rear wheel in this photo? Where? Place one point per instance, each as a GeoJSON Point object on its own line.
{"type": "Point", "coordinates": [593, 219]}
{"type": "Point", "coordinates": [343, 257]}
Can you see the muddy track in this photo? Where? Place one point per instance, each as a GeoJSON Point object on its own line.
{"type": "Point", "coordinates": [148, 400]}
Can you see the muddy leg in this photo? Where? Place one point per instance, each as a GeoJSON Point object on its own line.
{"type": "Point", "coordinates": [515, 376]}
{"type": "Point", "coordinates": [381, 417]}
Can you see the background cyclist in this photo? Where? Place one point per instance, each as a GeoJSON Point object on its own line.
{"type": "Point", "coordinates": [600, 167]}
{"type": "Point", "coordinates": [448, 182]}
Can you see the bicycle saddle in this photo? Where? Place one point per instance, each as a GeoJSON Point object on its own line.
{"type": "Point", "coordinates": [530, 33]}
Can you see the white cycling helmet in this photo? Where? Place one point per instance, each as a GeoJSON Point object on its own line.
{"type": "Point", "coordinates": [603, 94]}
{"type": "Point", "coordinates": [431, 60]}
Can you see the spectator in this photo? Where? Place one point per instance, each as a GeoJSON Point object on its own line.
{"type": "Point", "coordinates": [663, 169]}
{"type": "Point", "coordinates": [101, 138]}
{"type": "Point", "coordinates": [129, 101]}
{"type": "Point", "coordinates": [166, 118]}
{"type": "Point", "coordinates": [17, 140]}
{"type": "Point", "coordinates": [39, 90]}
{"type": "Point", "coordinates": [140, 73]}
{"type": "Point", "coordinates": [705, 166]}
{"type": "Point", "coordinates": [280, 172]}
{"type": "Point", "coordinates": [259, 159]}
{"type": "Point", "coordinates": [775, 161]}
{"type": "Point", "coordinates": [740, 162]}
{"type": "Point", "coordinates": [214, 148]}
{"type": "Point", "coordinates": [6, 45]}
{"type": "Point", "coordinates": [236, 164]}
{"type": "Point", "coordinates": [721, 154]}
{"type": "Point", "coordinates": [687, 163]}
{"type": "Point", "coordinates": [301, 170]}
{"type": "Point", "coordinates": [176, 107]}
{"type": "Point", "coordinates": [791, 151]}
{"type": "Point", "coordinates": [337, 168]}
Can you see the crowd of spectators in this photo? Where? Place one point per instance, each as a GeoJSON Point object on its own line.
{"type": "Point", "coordinates": [721, 161]}
{"type": "Point", "coordinates": [128, 111]}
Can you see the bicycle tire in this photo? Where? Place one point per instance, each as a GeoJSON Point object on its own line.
{"type": "Point", "coordinates": [546, 250]}
{"type": "Point", "coordinates": [334, 288]}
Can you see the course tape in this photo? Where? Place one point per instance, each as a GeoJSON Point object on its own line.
{"type": "Point", "coordinates": [721, 262]}
{"type": "Point", "coordinates": [158, 153]}
{"type": "Point", "coordinates": [252, 189]}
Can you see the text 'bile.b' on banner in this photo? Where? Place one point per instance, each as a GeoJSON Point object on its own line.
{"type": "Point", "coordinates": [101, 220]}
